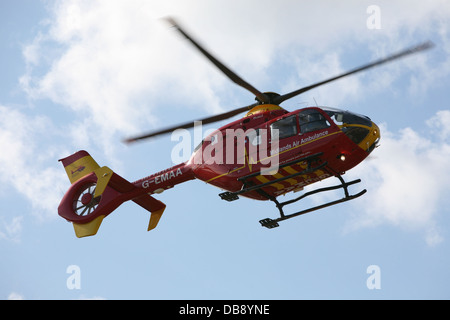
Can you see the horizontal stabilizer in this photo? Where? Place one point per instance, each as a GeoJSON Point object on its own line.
{"type": "Point", "coordinates": [88, 229]}
{"type": "Point", "coordinates": [156, 208]}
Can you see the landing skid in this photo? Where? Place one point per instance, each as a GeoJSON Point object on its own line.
{"type": "Point", "coordinates": [313, 164]}
{"type": "Point", "coordinates": [248, 186]}
{"type": "Point", "coordinates": [273, 223]}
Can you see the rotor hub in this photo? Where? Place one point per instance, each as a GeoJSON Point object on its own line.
{"type": "Point", "coordinates": [86, 199]}
{"type": "Point", "coordinates": [272, 96]}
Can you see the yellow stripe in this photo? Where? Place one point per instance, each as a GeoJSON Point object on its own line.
{"type": "Point", "coordinates": [290, 170]}
{"type": "Point", "coordinates": [290, 180]}
{"type": "Point", "coordinates": [224, 174]}
{"type": "Point", "coordinates": [265, 180]}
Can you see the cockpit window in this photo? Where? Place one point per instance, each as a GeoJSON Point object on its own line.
{"type": "Point", "coordinates": [312, 120]}
{"type": "Point", "coordinates": [286, 127]}
{"type": "Point", "coordinates": [347, 117]}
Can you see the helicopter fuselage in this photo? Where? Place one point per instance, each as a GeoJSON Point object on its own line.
{"type": "Point", "coordinates": [259, 146]}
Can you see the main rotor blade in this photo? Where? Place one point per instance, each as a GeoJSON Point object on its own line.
{"type": "Point", "coordinates": [401, 54]}
{"type": "Point", "coordinates": [191, 124]}
{"type": "Point", "coordinates": [230, 74]}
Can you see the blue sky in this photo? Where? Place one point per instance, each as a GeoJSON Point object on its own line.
{"type": "Point", "coordinates": [85, 74]}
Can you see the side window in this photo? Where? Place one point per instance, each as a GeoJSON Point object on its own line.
{"type": "Point", "coordinates": [256, 138]}
{"type": "Point", "coordinates": [286, 127]}
{"type": "Point", "coordinates": [312, 120]}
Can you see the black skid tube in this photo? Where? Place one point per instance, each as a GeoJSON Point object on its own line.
{"type": "Point", "coordinates": [273, 223]}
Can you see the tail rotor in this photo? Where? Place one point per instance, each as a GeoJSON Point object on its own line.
{"type": "Point", "coordinates": [96, 192]}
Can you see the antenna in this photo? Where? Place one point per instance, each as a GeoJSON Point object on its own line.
{"type": "Point", "coordinates": [315, 101]}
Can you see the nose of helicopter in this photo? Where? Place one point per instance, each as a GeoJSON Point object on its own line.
{"type": "Point", "coordinates": [372, 139]}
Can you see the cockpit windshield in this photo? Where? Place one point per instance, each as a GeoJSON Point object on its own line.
{"type": "Point", "coordinates": [347, 117]}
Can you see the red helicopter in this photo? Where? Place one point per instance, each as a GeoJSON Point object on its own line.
{"type": "Point", "coordinates": [267, 153]}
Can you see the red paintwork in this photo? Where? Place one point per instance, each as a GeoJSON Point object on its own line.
{"type": "Point", "coordinates": [332, 145]}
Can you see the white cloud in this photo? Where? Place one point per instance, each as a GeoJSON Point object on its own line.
{"type": "Point", "coordinates": [114, 63]}
{"type": "Point", "coordinates": [109, 66]}
{"type": "Point", "coordinates": [15, 296]}
{"type": "Point", "coordinates": [328, 65]}
{"type": "Point", "coordinates": [24, 165]}
{"type": "Point", "coordinates": [440, 125]}
{"type": "Point", "coordinates": [11, 231]}
{"type": "Point", "coordinates": [407, 182]}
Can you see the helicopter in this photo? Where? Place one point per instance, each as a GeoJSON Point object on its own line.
{"type": "Point", "coordinates": [267, 153]}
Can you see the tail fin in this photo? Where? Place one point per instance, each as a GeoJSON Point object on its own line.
{"type": "Point", "coordinates": [96, 192]}
{"type": "Point", "coordinates": [79, 165]}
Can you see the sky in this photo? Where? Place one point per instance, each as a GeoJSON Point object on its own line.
{"type": "Point", "coordinates": [82, 75]}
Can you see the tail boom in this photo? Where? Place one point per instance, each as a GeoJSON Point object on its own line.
{"type": "Point", "coordinates": [97, 191]}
